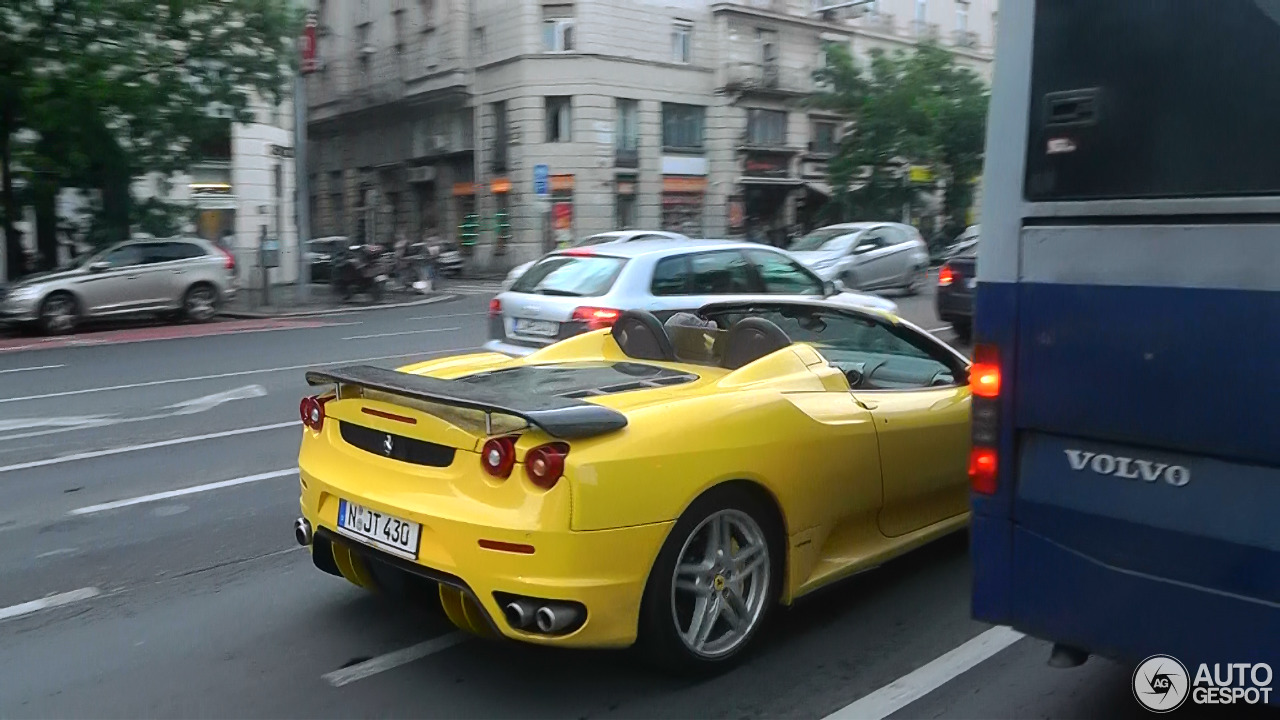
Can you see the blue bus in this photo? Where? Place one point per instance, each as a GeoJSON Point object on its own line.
{"type": "Point", "coordinates": [1125, 466]}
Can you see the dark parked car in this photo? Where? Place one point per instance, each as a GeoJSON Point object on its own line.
{"type": "Point", "coordinates": [320, 255]}
{"type": "Point", "coordinates": [957, 279]}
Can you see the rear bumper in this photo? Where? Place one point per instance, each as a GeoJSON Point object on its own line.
{"type": "Point", "coordinates": [606, 571]}
{"type": "Point", "coordinates": [1050, 591]}
{"type": "Point", "coordinates": [953, 307]}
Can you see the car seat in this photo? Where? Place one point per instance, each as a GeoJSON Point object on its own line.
{"type": "Point", "coordinates": [751, 339]}
{"type": "Point", "coordinates": [641, 336]}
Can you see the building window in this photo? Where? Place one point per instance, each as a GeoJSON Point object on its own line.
{"type": "Point", "coordinates": [477, 41]}
{"type": "Point", "coordinates": [922, 10]}
{"type": "Point", "coordinates": [558, 28]}
{"type": "Point", "coordinates": [559, 118]}
{"type": "Point", "coordinates": [824, 138]}
{"type": "Point", "coordinates": [500, 136]}
{"type": "Point", "coordinates": [768, 40]}
{"type": "Point", "coordinates": [682, 126]}
{"type": "Point", "coordinates": [766, 127]}
{"type": "Point", "coordinates": [682, 42]}
{"type": "Point", "coordinates": [962, 17]}
{"type": "Point", "coordinates": [627, 134]}
{"type": "Point", "coordinates": [626, 219]}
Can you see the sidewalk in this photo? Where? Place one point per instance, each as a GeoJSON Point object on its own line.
{"type": "Point", "coordinates": [248, 303]}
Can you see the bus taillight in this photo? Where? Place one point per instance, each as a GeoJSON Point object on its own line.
{"type": "Point", "coordinates": [984, 382]}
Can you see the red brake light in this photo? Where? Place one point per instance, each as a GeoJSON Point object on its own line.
{"type": "Point", "coordinates": [578, 252]}
{"type": "Point", "coordinates": [498, 456]}
{"type": "Point", "coordinates": [311, 409]}
{"type": "Point", "coordinates": [982, 470]}
{"type": "Point", "coordinates": [230, 261]}
{"type": "Point", "coordinates": [545, 464]}
{"type": "Point", "coordinates": [495, 307]}
{"type": "Point", "coordinates": [946, 276]}
{"type": "Point", "coordinates": [596, 317]}
{"type": "Point", "coordinates": [984, 376]}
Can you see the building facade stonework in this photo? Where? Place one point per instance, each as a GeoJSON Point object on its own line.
{"type": "Point", "coordinates": [684, 115]}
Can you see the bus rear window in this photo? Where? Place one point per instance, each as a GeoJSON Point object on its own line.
{"type": "Point", "coordinates": [1128, 102]}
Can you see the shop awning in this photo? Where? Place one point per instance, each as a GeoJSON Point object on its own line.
{"type": "Point", "coordinates": [787, 181]}
{"type": "Point", "coordinates": [819, 187]}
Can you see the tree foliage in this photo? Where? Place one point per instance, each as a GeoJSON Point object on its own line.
{"type": "Point", "coordinates": [905, 109]}
{"type": "Point", "coordinates": [97, 92]}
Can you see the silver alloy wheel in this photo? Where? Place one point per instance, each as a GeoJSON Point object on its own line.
{"type": "Point", "coordinates": [721, 583]}
{"type": "Point", "coordinates": [200, 303]}
{"type": "Point", "coordinates": [59, 314]}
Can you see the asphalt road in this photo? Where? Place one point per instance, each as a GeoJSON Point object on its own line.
{"type": "Point", "coordinates": [132, 588]}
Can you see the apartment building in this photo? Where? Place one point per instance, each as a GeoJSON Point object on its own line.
{"type": "Point", "coordinates": [529, 121]}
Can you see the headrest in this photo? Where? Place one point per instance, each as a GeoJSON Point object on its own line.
{"type": "Point", "coordinates": [751, 339]}
{"type": "Point", "coordinates": [641, 337]}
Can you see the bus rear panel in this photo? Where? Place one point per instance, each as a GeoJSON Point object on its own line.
{"type": "Point", "coordinates": [1128, 310]}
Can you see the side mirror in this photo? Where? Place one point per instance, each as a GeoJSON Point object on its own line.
{"type": "Point", "coordinates": [99, 266]}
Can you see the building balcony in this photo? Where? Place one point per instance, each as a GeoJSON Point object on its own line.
{"type": "Point", "coordinates": [925, 30]}
{"type": "Point", "coordinates": [626, 158]}
{"type": "Point", "coordinates": [766, 79]}
{"type": "Point", "coordinates": [964, 39]}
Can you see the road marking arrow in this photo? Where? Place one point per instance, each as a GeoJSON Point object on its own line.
{"type": "Point", "coordinates": [209, 402]}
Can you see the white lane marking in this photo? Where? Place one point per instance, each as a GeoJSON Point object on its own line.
{"type": "Point", "coordinates": [402, 332]}
{"type": "Point", "coordinates": [46, 603]}
{"type": "Point", "coordinates": [69, 422]}
{"type": "Point", "coordinates": [391, 660]}
{"type": "Point", "coordinates": [209, 402]}
{"type": "Point", "coordinates": [154, 497]}
{"type": "Point", "coordinates": [55, 553]}
{"type": "Point", "coordinates": [145, 446]}
{"type": "Point", "coordinates": [30, 369]}
{"type": "Point", "coordinates": [238, 373]}
{"type": "Point", "coordinates": [914, 685]}
{"type": "Point", "coordinates": [450, 315]}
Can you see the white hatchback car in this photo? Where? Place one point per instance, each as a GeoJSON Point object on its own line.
{"type": "Point", "coordinates": [573, 291]}
{"type": "Point", "coordinates": [598, 239]}
{"type": "Point", "coordinates": [867, 255]}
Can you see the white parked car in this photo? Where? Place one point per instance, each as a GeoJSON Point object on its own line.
{"type": "Point", "coordinates": [599, 239]}
{"type": "Point", "coordinates": [572, 291]}
{"type": "Point", "coordinates": [866, 255]}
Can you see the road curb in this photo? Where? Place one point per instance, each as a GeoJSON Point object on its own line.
{"type": "Point", "coordinates": [252, 315]}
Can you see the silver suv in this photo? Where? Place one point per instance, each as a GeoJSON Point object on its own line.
{"type": "Point", "coordinates": [184, 277]}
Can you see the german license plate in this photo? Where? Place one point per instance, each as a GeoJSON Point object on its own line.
{"type": "Point", "coordinates": [396, 536]}
{"type": "Point", "coordinates": [971, 283]}
{"type": "Point", "coordinates": [541, 328]}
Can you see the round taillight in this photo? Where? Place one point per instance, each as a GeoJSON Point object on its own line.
{"type": "Point", "coordinates": [312, 412]}
{"type": "Point", "coordinates": [545, 464]}
{"type": "Point", "coordinates": [498, 456]}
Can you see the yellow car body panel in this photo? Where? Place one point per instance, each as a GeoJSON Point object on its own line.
{"type": "Point", "coordinates": [851, 486]}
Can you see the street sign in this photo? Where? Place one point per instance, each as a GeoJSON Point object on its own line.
{"type": "Point", "coordinates": [541, 180]}
{"type": "Point", "coordinates": [308, 45]}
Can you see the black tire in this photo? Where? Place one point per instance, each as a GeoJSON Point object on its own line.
{"type": "Point", "coordinates": [59, 314]}
{"type": "Point", "coordinates": [963, 331]}
{"type": "Point", "coordinates": [200, 303]}
{"type": "Point", "coordinates": [659, 639]}
{"type": "Point", "coordinates": [916, 281]}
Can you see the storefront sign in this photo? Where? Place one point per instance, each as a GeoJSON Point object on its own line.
{"type": "Point", "coordinates": [920, 174]}
{"type": "Point", "coordinates": [500, 185]}
{"type": "Point", "coordinates": [684, 184]}
{"type": "Point", "coordinates": [762, 165]}
{"type": "Point", "coordinates": [626, 187]}
{"type": "Point", "coordinates": [464, 188]}
{"type": "Point", "coordinates": [561, 183]}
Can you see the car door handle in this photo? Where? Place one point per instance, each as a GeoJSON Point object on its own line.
{"type": "Point", "coordinates": [177, 272]}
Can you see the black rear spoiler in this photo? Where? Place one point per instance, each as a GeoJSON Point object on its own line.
{"type": "Point", "coordinates": [563, 418]}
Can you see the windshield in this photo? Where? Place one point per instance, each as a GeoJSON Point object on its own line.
{"type": "Point", "coordinates": [826, 240]}
{"type": "Point", "coordinates": [571, 276]}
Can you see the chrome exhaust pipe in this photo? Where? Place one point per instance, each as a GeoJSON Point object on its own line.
{"type": "Point", "coordinates": [302, 531]}
{"type": "Point", "coordinates": [519, 614]}
{"type": "Point", "coordinates": [554, 618]}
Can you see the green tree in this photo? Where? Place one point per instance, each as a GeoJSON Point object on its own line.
{"type": "Point", "coordinates": [905, 109]}
{"type": "Point", "coordinates": [98, 92]}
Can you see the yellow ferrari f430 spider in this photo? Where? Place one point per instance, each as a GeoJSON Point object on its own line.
{"type": "Point", "coordinates": [660, 486]}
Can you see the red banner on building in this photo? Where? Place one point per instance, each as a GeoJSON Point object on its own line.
{"type": "Point", "coordinates": [308, 44]}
